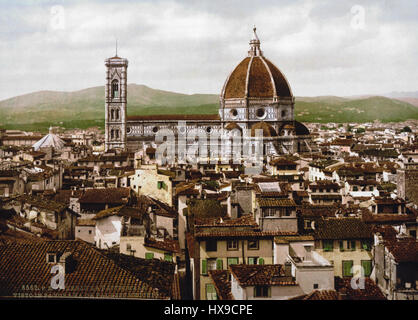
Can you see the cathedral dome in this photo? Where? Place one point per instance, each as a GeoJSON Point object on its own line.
{"type": "Point", "coordinates": [256, 77]}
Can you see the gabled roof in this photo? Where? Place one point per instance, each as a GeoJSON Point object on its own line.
{"type": "Point", "coordinates": [24, 272]}
{"type": "Point", "coordinates": [253, 275]}
{"type": "Point", "coordinates": [109, 196]}
{"type": "Point", "coordinates": [403, 250]}
{"type": "Point", "coordinates": [342, 229]}
{"type": "Point", "coordinates": [220, 279]}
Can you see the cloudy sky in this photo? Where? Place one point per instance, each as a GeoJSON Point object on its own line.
{"type": "Point", "coordinates": [323, 47]}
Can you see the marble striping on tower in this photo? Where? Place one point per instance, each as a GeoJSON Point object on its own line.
{"type": "Point", "coordinates": [256, 95]}
{"type": "Point", "coordinates": [115, 103]}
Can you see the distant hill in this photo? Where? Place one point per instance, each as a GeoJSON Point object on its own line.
{"type": "Point", "coordinates": [84, 108]}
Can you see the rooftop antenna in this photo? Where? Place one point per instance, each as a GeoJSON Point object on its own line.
{"type": "Point", "coordinates": [116, 47]}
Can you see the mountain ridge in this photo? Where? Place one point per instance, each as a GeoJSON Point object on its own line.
{"type": "Point", "coordinates": [86, 106]}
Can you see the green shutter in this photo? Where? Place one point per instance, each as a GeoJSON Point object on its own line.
{"type": "Point", "coordinates": [168, 257]}
{"type": "Point", "coordinates": [367, 267]}
{"type": "Point", "coordinates": [211, 292]}
{"type": "Point", "coordinates": [328, 245]}
{"type": "Point", "coordinates": [261, 261]}
{"type": "Point", "coordinates": [204, 267]}
{"type": "Point", "coordinates": [232, 261]}
{"type": "Point", "coordinates": [149, 255]}
{"type": "Point", "coordinates": [347, 268]}
{"type": "Point", "coordinates": [219, 264]}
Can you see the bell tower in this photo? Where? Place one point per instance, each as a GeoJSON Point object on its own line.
{"type": "Point", "coordinates": [115, 103]}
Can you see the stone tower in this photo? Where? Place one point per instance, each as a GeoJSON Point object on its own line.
{"type": "Point", "coordinates": [115, 103]}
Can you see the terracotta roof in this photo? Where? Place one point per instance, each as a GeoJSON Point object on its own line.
{"type": "Point", "coordinates": [220, 279]}
{"type": "Point", "coordinates": [319, 295]}
{"type": "Point", "coordinates": [43, 203]}
{"type": "Point", "coordinates": [156, 273]}
{"type": "Point", "coordinates": [165, 245]}
{"type": "Point", "coordinates": [246, 220]}
{"type": "Point", "coordinates": [109, 196]}
{"type": "Point", "coordinates": [403, 250]}
{"type": "Point", "coordinates": [253, 275]}
{"type": "Point", "coordinates": [86, 222]}
{"type": "Point", "coordinates": [271, 202]}
{"type": "Point", "coordinates": [342, 228]}
{"type": "Point", "coordinates": [260, 83]}
{"type": "Point", "coordinates": [122, 211]}
{"type": "Point", "coordinates": [370, 292]}
{"type": "Point", "coordinates": [24, 272]}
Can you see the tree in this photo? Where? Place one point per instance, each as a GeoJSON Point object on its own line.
{"type": "Point", "coordinates": [406, 129]}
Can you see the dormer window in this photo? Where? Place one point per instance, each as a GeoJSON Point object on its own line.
{"type": "Point", "coordinates": [51, 257]}
{"type": "Point", "coordinates": [115, 89]}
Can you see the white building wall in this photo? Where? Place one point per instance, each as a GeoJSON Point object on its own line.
{"type": "Point", "coordinates": [108, 231]}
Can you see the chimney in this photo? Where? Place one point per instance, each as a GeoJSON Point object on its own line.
{"type": "Point", "coordinates": [68, 262]}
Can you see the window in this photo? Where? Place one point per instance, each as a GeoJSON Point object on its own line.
{"type": "Point", "coordinates": [366, 245]}
{"type": "Point", "coordinates": [261, 291]}
{"type": "Point", "coordinates": [89, 231]}
{"type": "Point", "coordinates": [252, 260]}
{"type": "Point", "coordinates": [211, 245]}
{"type": "Point", "coordinates": [128, 247]}
{"type": "Point", "coordinates": [269, 212]}
{"type": "Point", "coordinates": [366, 267]}
{"type": "Point", "coordinates": [168, 257]}
{"type": "Point", "coordinates": [232, 261]}
{"type": "Point", "coordinates": [210, 292]}
{"type": "Point", "coordinates": [51, 257]}
{"type": "Point", "coordinates": [347, 268]}
{"type": "Point", "coordinates": [283, 113]}
{"type": "Point", "coordinates": [260, 113]}
{"type": "Point", "coordinates": [413, 233]}
{"type": "Point", "coordinates": [115, 89]}
{"type": "Point", "coordinates": [341, 245]}
{"type": "Point", "coordinates": [149, 255]}
{"type": "Point", "coordinates": [351, 245]}
{"type": "Point", "coordinates": [252, 244]}
{"type": "Point", "coordinates": [233, 113]}
{"type": "Point", "coordinates": [160, 184]}
{"type": "Point", "coordinates": [315, 286]}
{"type": "Point", "coordinates": [328, 245]}
{"type": "Point", "coordinates": [232, 245]}
{"type": "Point", "coordinates": [211, 264]}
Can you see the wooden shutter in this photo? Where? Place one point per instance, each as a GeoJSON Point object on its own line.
{"type": "Point", "coordinates": [261, 261]}
{"type": "Point", "coordinates": [347, 266]}
{"type": "Point", "coordinates": [367, 267]}
{"type": "Point", "coordinates": [204, 267]}
{"type": "Point", "coordinates": [219, 264]}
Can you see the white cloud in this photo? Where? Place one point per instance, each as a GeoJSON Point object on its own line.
{"type": "Point", "coordinates": [190, 46]}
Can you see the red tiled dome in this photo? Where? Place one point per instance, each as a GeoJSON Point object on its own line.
{"type": "Point", "coordinates": [256, 77]}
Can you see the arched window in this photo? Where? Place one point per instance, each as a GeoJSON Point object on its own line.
{"type": "Point", "coordinates": [117, 114]}
{"type": "Point", "coordinates": [112, 134]}
{"type": "Point", "coordinates": [112, 114]}
{"type": "Point", "coordinates": [115, 89]}
{"type": "Point", "coordinates": [117, 134]}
